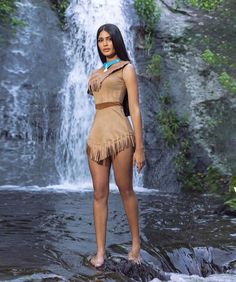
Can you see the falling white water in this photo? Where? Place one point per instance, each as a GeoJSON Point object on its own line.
{"type": "Point", "coordinates": [84, 18]}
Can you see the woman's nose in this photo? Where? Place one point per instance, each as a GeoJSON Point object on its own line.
{"type": "Point", "coordinates": [105, 42]}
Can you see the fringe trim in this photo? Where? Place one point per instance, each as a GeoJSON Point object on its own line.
{"type": "Point", "coordinates": [101, 152]}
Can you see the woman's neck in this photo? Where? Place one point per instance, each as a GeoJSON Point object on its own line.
{"type": "Point", "coordinates": [108, 59]}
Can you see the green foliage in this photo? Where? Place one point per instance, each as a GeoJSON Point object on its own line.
{"type": "Point", "coordinates": [153, 68]}
{"type": "Point", "coordinates": [209, 57]}
{"type": "Point", "coordinates": [210, 179]}
{"type": "Point", "coordinates": [148, 42]}
{"type": "Point", "coordinates": [204, 4]}
{"type": "Point", "coordinates": [7, 7]}
{"type": "Point", "coordinates": [231, 203]}
{"type": "Point", "coordinates": [60, 6]}
{"type": "Point", "coordinates": [230, 197]}
{"type": "Point", "coordinates": [213, 179]}
{"type": "Point", "coordinates": [148, 12]}
{"type": "Point", "coordinates": [232, 184]}
{"type": "Point", "coordinates": [17, 22]}
{"type": "Point", "coordinates": [175, 132]}
{"type": "Point", "coordinates": [190, 179]}
{"type": "Point", "coordinates": [225, 79]}
{"type": "Point", "coordinates": [228, 82]}
{"type": "Point", "coordinates": [168, 121]}
{"type": "Point", "coordinates": [212, 58]}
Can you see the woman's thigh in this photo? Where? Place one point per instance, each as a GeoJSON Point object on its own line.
{"type": "Point", "coordinates": [100, 175]}
{"type": "Point", "coordinates": [123, 168]}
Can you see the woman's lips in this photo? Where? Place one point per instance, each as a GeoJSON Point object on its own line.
{"type": "Point", "coordinates": [106, 50]}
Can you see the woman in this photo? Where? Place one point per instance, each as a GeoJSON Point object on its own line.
{"type": "Point", "coordinates": [112, 139]}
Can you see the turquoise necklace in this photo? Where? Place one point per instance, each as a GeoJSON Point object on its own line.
{"type": "Point", "coordinates": [106, 65]}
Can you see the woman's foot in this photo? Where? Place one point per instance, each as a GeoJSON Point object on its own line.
{"type": "Point", "coordinates": [97, 261]}
{"type": "Point", "coordinates": [134, 256]}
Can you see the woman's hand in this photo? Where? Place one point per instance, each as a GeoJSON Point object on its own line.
{"type": "Point", "coordinates": [139, 159]}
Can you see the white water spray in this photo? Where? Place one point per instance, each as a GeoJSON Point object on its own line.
{"type": "Point", "coordinates": [84, 18]}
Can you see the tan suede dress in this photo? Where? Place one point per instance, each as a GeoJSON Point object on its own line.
{"type": "Point", "coordinates": [111, 131]}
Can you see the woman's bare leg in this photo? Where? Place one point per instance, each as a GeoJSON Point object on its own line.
{"type": "Point", "coordinates": [123, 172]}
{"type": "Point", "coordinates": [100, 177]}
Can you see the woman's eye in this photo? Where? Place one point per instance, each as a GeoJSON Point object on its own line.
{"type": "Point", "coordinates": [107, 39]}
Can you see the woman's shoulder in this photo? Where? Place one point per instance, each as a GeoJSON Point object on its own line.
{"type": "Point", "coordinates": [129, 67]}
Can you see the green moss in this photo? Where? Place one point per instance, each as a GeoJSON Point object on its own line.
{"type": "Point", "coordinates": [204, 4]}
{"type": "Point", "coordinates": [228, 82]}
{"type": "Point", "coordinates": [224, 78]}
{"type": "Point", "coordinates": [209, 57]}
{"type": "Point", "coordinates": [153, 68]}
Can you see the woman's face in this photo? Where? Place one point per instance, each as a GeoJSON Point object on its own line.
{"type": "Point", "coordinates": [105, 44]}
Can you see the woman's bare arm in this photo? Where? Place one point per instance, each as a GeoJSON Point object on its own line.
{"type": "Point", "coordinates": [130, 78]}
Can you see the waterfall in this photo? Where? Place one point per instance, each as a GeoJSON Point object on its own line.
{"type": "Point", "coordinates": [83, 20]}
{"type": "Point", "coordinates": [31, 75]}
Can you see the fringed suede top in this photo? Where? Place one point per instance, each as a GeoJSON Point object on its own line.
{"type": "Point", "coordinates": [111, 131]}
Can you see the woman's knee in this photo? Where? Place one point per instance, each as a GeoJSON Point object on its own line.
{"type": "Point", "coordinates": [100, 193]}
{"type": "Point", "coordinates": [126, 191]}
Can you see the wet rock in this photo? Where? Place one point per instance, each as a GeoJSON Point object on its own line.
{"type": "Point", "coordinates": [142, 272]}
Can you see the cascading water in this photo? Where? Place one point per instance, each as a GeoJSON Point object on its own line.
{"type": "Point", "coordinates": [83, 20]}
{"type": "Point", "coordinates": [31, 75]}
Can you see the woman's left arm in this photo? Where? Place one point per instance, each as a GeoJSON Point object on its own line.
{"type": "Point", "coordinates": [130, 78]}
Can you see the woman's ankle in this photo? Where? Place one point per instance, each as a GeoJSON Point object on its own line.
{"type": "Point", "coordinates": [101, 253]}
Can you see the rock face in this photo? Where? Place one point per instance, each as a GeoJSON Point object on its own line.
{"type": "Point", "coordinates": [33, 69]}
{"type": "Point", "coordinates": [193, 85]}
{"type": "Point", "coordinates": [32, 72]}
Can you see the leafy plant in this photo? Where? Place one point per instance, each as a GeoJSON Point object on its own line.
{"type": "Point", "coordinates": [230, 197]}
{"type": "Point", "coordinates": [153, 68]}
{"type": "Point", "coordinates": [148, 12]}
{"type": "Point", "coordinates": [7, 7]}
{"type": "Point", "coordinates": [60, 6]}
{"type": "Point", "coordinates": [148, 42]}
{"type": "Point", "coordinates": [168, 121]}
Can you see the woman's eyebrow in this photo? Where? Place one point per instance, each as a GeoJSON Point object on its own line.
{"type": "Point", "coordinates": [104, 37]}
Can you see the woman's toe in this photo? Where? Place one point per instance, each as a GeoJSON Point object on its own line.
{"type": "Point", "coordinates": [96, 262]}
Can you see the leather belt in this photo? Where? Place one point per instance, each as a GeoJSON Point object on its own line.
{"type": "Point", "coordinates": [106, 104]}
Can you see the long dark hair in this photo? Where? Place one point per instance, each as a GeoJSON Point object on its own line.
{"type": "Point", "coordinates": [117, 40]}
{"type": "Point", "coordinates": [121, 52]}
